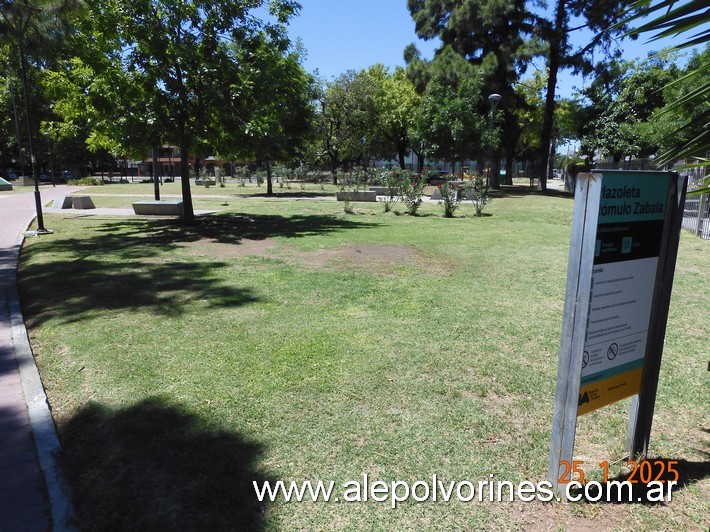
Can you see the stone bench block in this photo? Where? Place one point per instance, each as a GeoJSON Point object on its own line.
{"type": "Point", "coordinates": [161, 207]}
{"type": "Point", "coordinates": [384, 191]}
{"type": "Point", "coordinates": [362, 195]}
{"type": "Point", "coordinates": [82, 202]}
{"type": "Point", "coordinates": [62, 202]}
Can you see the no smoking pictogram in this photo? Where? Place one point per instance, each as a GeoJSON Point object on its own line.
{"type": "Point", "coordinates": [612, 351]}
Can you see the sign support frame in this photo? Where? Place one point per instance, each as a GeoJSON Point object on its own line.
{"type": "Point", "coordinates": [585, 247]}
{"type": "Point", "coordinates": [575, 313]}
{"type": "Point", "coordinates": [643, 404]}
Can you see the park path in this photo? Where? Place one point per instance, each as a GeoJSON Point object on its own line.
{"type": "Point", "coordinates": [29, 497]}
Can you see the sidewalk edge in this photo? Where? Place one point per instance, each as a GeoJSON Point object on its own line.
{"type": "Point", "coordinates": [41, 421]}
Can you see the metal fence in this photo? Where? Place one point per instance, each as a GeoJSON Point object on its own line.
{"type": "Point", "coordinates": [696, 217]}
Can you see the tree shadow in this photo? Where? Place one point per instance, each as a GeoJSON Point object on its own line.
{"type": "Point", "coordinates": [69, 291]}
{"type": "Point", "coordinates": [138, 237]}
{"type": "Point", "coordinates": [140, 272]}
{"type": "Point", "coordinates": [156, 466]}
{"type": "Point", "coordinates": [688, 473]}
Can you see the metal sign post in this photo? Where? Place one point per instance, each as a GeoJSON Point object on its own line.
{"type": "Point", "coordinates": [622, 256]}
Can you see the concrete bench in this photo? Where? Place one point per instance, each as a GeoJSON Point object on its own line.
{"type": "Point", "coordinates": [469, 193]}
{"type": "Point", "coordinates": [62, 202]}
{"type": "Point", "coordinates": [361, 195]}
{"type": "Point", "coordinates": [5, 185]}
{"type": "Point", "coordinates": [160, 208]}
{"type": "Point", "coordinates": [384, 191]}
{"type": "Point", "coordinates": [82, 202]}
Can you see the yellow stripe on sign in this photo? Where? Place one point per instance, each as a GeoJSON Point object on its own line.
{"type": "Point", "coordinates": [601, 393]}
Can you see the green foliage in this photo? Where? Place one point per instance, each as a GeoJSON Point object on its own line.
{"type": "Point", "coordinates": [260, 177]}
{"type": "Point", "coordinates": [477, 191]}
{"type": "Point", "coordinates": [451, 197]}
{"type": "Point", "coordinates": [391, 180]}
{"type": "Point", "coordinates": [448, 124]}
{"type": "Point", "coordinates": [394, 106]}
{"type": "Point", "coordinates": [627, 124]}
{"type": "Point", "coordinates": [85, 182]}
{"type": "Point", "coordinates": [344, 119]}
{"type": "Point", "coordinates": [692, 135]}
{"type": "Point", "coordinates": [280, 119]}
{"type": "Point", "coordinates": [411, 188]}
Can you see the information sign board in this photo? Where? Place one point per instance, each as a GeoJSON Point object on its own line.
{"type": "Point", "coordinates": [632, 209]}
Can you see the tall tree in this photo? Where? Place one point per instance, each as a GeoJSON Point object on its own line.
{"type": "Point", "coordinates": [394, 108]}
{"type": "Point", "coordinates": [343, 121]}
{"type": "Point", "coordinates": [490, 34]}
{"type": "Point", "coordinates": [448, 123]}
{"type": "Point", "coordinates": [281, 96]}
{"type": "Point", "coordinates": [556, 31]}
{"type": "Point", "coordinates": [624, 127]}
{"type": "Point", "coordinates": [179, 58]}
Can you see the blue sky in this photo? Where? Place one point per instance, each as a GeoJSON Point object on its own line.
{"type": "Point", "coordinates": [343, 34]}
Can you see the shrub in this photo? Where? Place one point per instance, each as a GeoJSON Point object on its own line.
{"type": "Point", "coordinates": [260, 177]}
{"type": "Point", "coordinates": [353, 181]}
{"type": "Point", "coordinates": [88, 182]}
{"type": "Point", "coordinates": [205, 178]}
{"type": "Point", "coordinates": [390, 179]}
{"type": "Point", "coordinates": [477, 190]}
{"type": "Point", "coordinates": [451, 198]}
{"type": "Point", "coordinates": [411, 188]}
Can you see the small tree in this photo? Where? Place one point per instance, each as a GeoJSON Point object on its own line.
{"type": "Point", "coordinates": [391, 180]}
{"type": "Point", "coordinates": [411, 188]}
{"type": "Point", "coordinates": [451, 198]}
{"type": "Point", "coordinates": [477, 190]}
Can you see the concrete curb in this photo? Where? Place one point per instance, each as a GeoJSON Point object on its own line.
{"type": "Point", "coordinates": [41, 422]}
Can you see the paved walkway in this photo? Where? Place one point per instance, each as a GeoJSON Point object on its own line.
{"type": "Point", "coordinates": [27, 472]}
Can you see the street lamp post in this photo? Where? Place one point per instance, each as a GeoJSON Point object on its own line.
{"type": "Point", "coordinates": [38, 199]}
{"type": "Point", "coordinates": [494, 100]}
{"type": "Point", "coordinates": [51, 164]}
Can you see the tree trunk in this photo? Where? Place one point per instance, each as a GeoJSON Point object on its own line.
{"type": "Point", "coordinates": [269, 184]}
{"type": "Point", "coordinates": [509, 167]}
{"type": "Point", "coordinates": [188, 211]}
{"type": "Point", "coordinates": [401, 158]}
{"type": "Point", "coordinates": [156, 184]}
{"type": "Point", "coordinates": [553, 65]}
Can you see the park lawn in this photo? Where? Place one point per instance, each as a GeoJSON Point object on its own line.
{"type": "Point", "coordinates": [288, 340]}
{"type": "Point", "coordinates": [126, 202]}
{"type": "Point", "coordinates": [232, 187]}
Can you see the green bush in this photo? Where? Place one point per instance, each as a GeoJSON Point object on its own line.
{"type": "Point", "coordinates": [451, 198]}
{"type": "Point", "coordinates": [390, 179]}
{"type": "Point", "coordinates": [411, 188]}
{"type": "Point", "coordinates": [477, 189]}
{"type": "Point", "coordinates": [86, 182]}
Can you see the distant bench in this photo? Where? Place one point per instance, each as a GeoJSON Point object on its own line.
{"type": "Point", "coordinates": [385, 191]}
{"type": "Point", "coordinates": [159, 207]}
{"type": "Point", "coordinates": [361, 195]}
{"type": "Point", "coordinates": [73, 202]}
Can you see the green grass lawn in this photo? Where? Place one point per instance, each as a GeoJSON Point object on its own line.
{"type": "Point", "coordinates": [288, 340]}
{"type": "Point", "coordinates": [232, 187]}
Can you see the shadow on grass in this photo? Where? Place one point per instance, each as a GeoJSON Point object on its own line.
{"type": "Point", "coordinates": [70, 290]}
{"type": "Point", "coordinates": [141, 236]}
{"type": "Point", "coordinates": [126, 264]}
{"type": "Point", "coordinates": [154, 466]}
{"type": "Point", "coordinates": [688, 473]}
